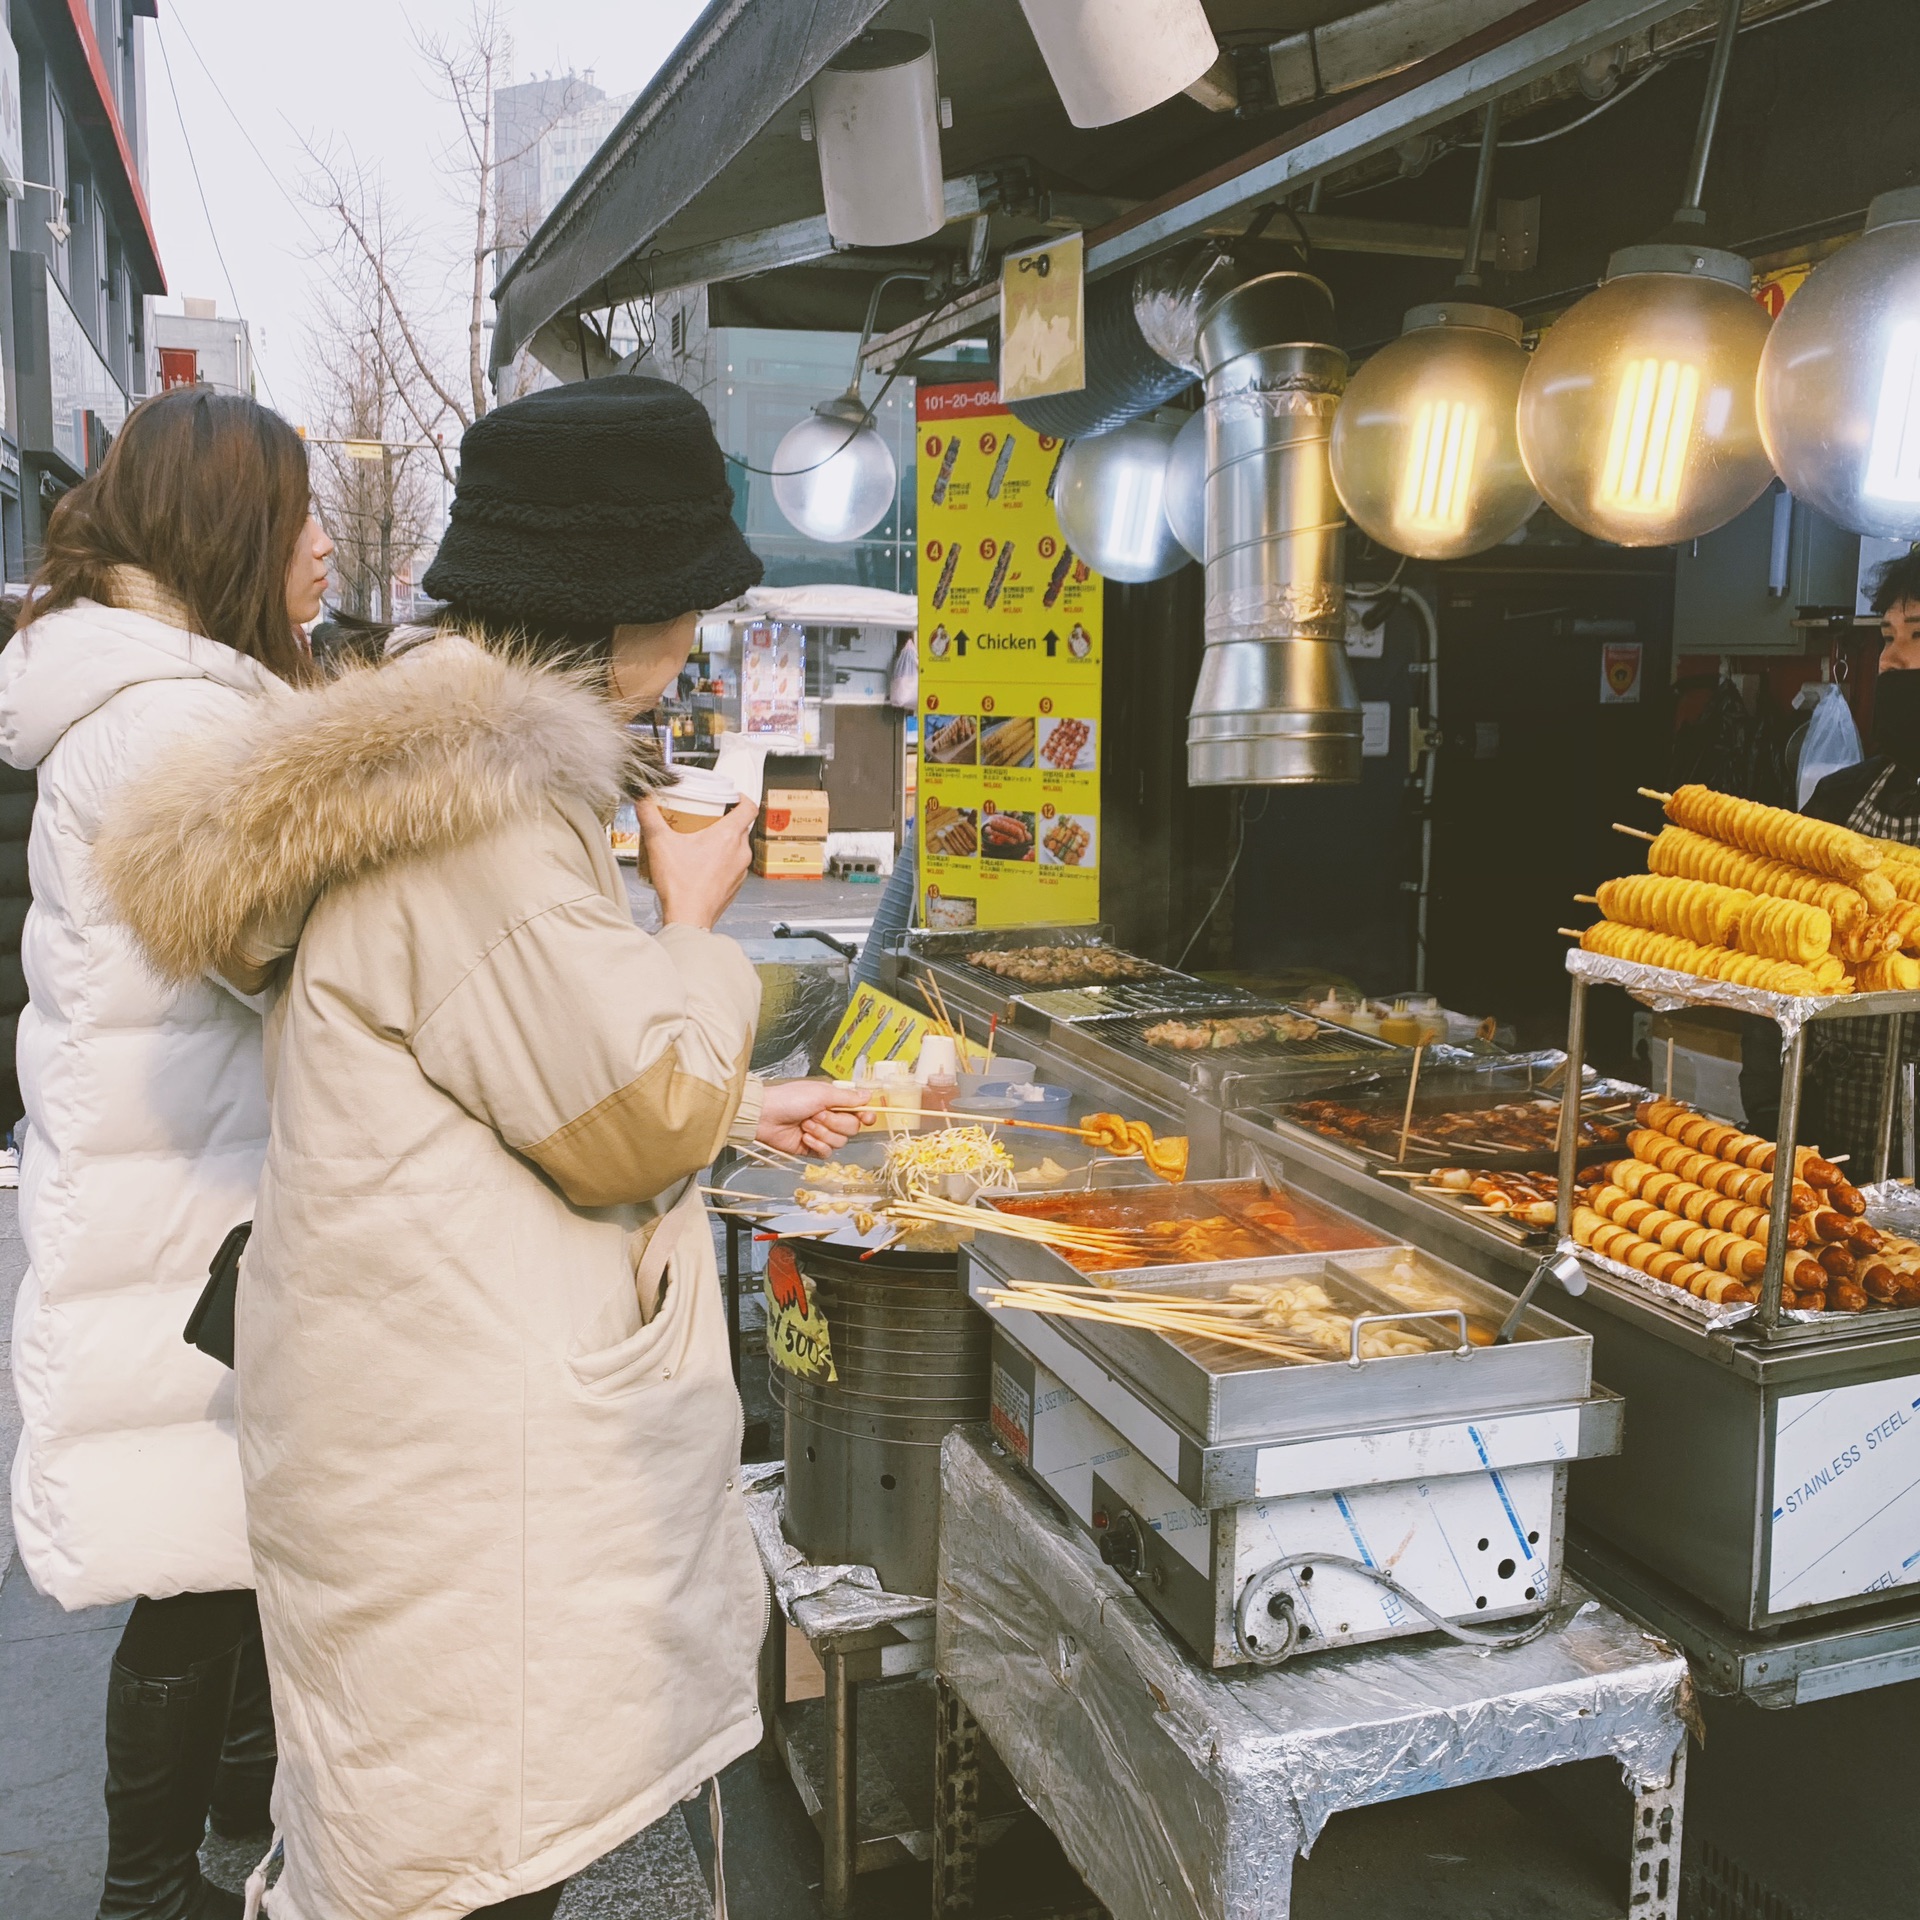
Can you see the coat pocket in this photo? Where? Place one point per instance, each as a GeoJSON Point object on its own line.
{"type": "Point", "coordinates": [652, 1354]}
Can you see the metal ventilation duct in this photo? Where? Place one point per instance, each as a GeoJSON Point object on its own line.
{"type": "Point", "coordinates": [1275, 704]}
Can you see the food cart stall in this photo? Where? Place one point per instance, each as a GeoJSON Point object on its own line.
{"type": "Point", "coordinates": [1677, 1526]}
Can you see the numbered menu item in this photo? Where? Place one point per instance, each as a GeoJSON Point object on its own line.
{"type": "Point", "coordinates": [1010, 663]}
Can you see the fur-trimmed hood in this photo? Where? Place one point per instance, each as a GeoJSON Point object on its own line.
{"type": "Point", "coordinates": [215, 854]}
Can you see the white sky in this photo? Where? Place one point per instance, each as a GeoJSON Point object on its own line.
{"type": "Point", "coordinates": [348, 70]}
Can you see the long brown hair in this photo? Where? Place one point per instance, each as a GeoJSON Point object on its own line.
{"type": "Point", "coordinates": [209, 493]}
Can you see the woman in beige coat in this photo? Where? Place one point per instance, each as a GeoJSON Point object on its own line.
{"type": "Point", "coordinates": [488, 1425]}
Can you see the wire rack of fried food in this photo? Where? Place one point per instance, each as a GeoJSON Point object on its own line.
{"type": "Point", "coordinates": [1062, 966]}
{"type": "Point", "coordinates": [1759, 897]}
{"type": "Point", "coordinates": [1229, 1030]}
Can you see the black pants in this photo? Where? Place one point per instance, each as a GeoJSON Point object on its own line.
{"type": "Point", "coordinates": [523, 1906]}
{"type": "Point", "coordinates": [164, 1639]}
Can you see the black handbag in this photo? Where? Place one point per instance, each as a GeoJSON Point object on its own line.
{"type": "Point", "coordinates": [210, 1325]}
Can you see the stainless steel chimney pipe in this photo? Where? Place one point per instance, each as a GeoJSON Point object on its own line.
{"type": "Point", "coordinates": [1275, 704]}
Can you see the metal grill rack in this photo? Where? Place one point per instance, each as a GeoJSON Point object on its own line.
{"type": "Point", "coordinates": [1166, 998]}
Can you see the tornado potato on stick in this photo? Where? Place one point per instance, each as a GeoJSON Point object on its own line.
{"type": "Point", "coordinates": [1817, 845]}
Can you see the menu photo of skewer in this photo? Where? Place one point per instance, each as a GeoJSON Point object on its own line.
{"type": "Point", "coordinates": [952, 740]}
{"type": "Point", "coordinates": [1007, 742]}
{"type": "Point", "coordinates": [1006, 836]}
{"type": "Point", "coordinates": [1067, 745]}
{"type": "Point", "coordinates": [1067, 839]}
{"type": "Point", "coordinates": [950, 833]}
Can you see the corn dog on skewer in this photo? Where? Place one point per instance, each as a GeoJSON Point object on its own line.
{"type": "Point", "coordinates": [1667, 950]}
{"type": "Point", "coordinates": [1691, 856]}
{"type": "Point", "coordinates": [1729, 1253]}
{"type": "Point", "coordinates": [1747, 1184]}
{"type": "Point", "coordinates": [1648, 1182]}
{"type": "Point", "coordinates": [1719, 1141]}
{"type": "Point", "coordinates": [1592, 1229]}
{"type": "Point", "coordinates": [1817, 845]}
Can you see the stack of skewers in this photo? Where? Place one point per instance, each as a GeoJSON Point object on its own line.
{"type": "Point", "coordinates": [1763, 898]}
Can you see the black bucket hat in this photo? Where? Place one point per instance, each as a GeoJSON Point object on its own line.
{"type": "Point", "coordinates": [590, 506]}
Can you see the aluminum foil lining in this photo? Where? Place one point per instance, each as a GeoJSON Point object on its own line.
{"type": "Point", "coordinates": [1183, 1794]}
{"type": "Point", "coordinates": [1893, 1206]}
{"type": "Point", "coordinates": [1277, 610]}
{"type": "Point", "coordinates": [1715, 1319]}
{"type": "Point", "coordinates": [1666, 991]}
{"type": "Point", "coordinates": [827, 1599]}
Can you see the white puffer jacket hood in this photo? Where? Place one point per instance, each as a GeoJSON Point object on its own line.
{"type": "Point", "coordinates": [147, 1123]}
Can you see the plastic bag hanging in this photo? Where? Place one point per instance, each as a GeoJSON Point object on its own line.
{"type": "Point", "coordinates": [1832, 742]}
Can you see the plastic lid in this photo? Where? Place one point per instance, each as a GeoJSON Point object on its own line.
{"type": "Point", "coordinates": [701, 784]}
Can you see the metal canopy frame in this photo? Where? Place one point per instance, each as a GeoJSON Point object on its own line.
{"type": "Point", "coordinates": [1527, 45]}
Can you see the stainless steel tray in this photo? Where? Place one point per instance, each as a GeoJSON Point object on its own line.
{"type": "Point", "coordinates": [1220, 1395]}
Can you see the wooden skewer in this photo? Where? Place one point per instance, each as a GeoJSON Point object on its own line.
{"type": "Point", "coordinates": [1588, 899]}
{"type": "Point", "coordinates": [1413, 1083]}
{"type": "Point", "coordinates": [1572, 933]}
{"type": "Point", "coordinates": [1635, 833]}
{"type": "Point", "coordinates": [1654, 793]}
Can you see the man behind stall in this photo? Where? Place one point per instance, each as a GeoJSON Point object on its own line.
{"type": "Point", "coordinates": [1846, 1065]}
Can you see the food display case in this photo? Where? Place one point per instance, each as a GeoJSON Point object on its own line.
{"type": "Point", "coordinates": [1739, 1440]}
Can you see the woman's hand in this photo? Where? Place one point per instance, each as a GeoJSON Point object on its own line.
{"type": "Point", "coordinates": [696, 875]}
{"type": "Point", "coordinates": [807, 1116]}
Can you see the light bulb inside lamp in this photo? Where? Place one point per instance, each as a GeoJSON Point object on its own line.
{"type": "Point", "coordinates": [1111, 498]}
{"type": "Point", "coordinates": [833, 475]}
{"type": "Point", "coordinates": [1840, 379]}
{"type": "Point", "coordinates": [1637, 417]}
{"type": "Point", "coordinates": [1425, 455]}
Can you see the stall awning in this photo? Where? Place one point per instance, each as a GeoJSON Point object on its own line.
{"type": "Point", "coordinates": [823, 606]}
{"type": "Point", "coordinates": [707, 180]}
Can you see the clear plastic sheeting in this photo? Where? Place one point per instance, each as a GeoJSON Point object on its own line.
{"type": "Point", "coordinates": [1182, 1794]}
{"type": "Point", "coordinates": [804, 988]}
{"type": "Point", "coordinates": [828, 1599]}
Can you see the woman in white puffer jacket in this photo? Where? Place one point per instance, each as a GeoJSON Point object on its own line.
{"type": "Point", "coordinates": [146, 1117]}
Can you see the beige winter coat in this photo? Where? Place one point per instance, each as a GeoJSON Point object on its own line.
{"type": "Point", "coordinates": [488, 1427]}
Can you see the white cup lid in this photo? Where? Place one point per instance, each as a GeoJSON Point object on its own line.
{"type": "Point", "coordinates": [701, 784]}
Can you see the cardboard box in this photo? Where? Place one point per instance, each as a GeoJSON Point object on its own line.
{"type": "Point", "coordinates": [793, 813]}
{"type": "Point", "coordinates": [790, 859]}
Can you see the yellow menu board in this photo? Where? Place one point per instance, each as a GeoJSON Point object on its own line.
{"type": "Point", "coordinates": [1010, 742]}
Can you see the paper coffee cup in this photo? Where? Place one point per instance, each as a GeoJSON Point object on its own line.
{"type": "Point", "coordinates": [693, 803]}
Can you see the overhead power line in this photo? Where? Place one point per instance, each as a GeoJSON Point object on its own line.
{"type": "Point", "coordinates": [200, 187]}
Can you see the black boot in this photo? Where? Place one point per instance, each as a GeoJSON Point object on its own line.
{"type": "Point", "coordinates": [243, 1787]}
{"type": "Point", "coordinates": [163, 1745]}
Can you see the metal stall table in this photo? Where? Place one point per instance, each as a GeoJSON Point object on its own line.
{"type": "Point", "coordinates": [1183, 1794]}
